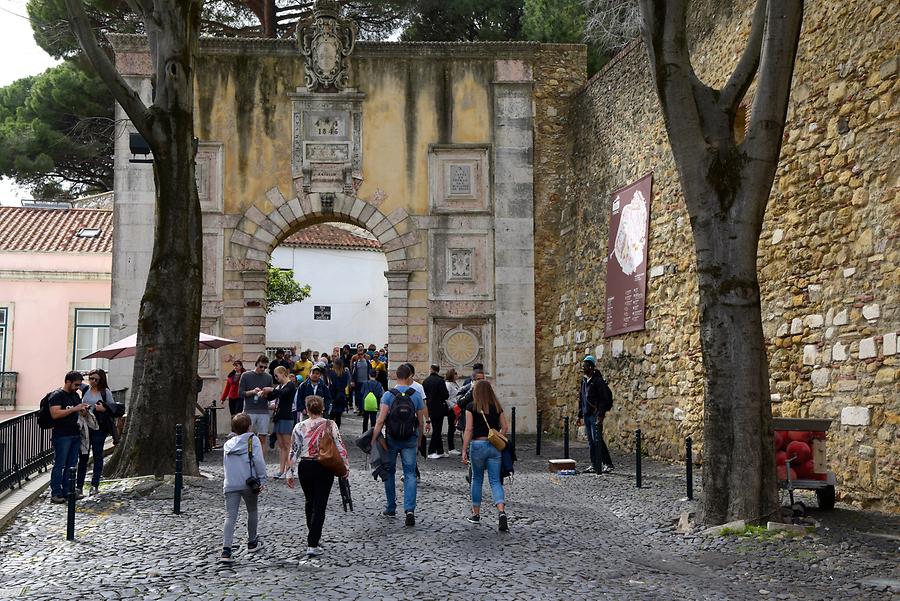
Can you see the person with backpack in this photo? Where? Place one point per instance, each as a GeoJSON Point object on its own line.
{"type": "Point", "coordinates": [245, 476]}
{"type": "Point", "coordinates": [360, 370]}
{"type": "Point", "coordinates": [59, 410]}
{"type": "Point", "coordinates": [307, 464]}
{"type": "Point", "coordinates": [594, 401]}
{"type": "Point", "coordinates": [99, 399]}
{"type": "Point", "coordinates": [371, 393]}
{"type": "Point", "coordinates": [402, 415]}
{"type": "Point", "coordinates": [484, 418]}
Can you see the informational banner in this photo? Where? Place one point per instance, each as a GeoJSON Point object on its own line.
{"type": "Point", "coordinates": [626, 269]}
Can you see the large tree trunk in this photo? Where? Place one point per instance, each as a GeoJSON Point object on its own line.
{"type": "Point", "coordinates": [737, 416]}
{"type": "Point", "coordinates": [163, 385]}
{"type": "Point", "coordinates": [726, 186]}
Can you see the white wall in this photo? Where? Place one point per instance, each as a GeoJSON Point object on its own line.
{"type": "Point", "coordinates": [345, 280]}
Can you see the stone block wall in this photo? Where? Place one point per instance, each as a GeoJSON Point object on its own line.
{"type": "Point", "coordinates": [828, 256]}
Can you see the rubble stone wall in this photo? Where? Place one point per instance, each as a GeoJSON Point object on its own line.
{"type": "Point", "coordinates": [828, 255]}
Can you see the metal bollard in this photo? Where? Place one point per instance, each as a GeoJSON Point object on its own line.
{"type": "Point", "coordinates": [70, 510]}
{"type": "Point", "coordinates": [198, 441]}
{"type": "Point", "coordinates": [179, 452]}
{"type": "Point", "coordinates": [512, 429]}
{"type": "Point", "coordinates": [566, 437]}
{"type": "Point", "coordinates": [637, 457]}
{"type": "Point", "coordinates": [689, 466]}
{"type": "Point", "coordinates": [540, 431]}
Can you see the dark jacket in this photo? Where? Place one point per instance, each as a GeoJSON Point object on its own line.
{"type": "Point", "coordinates": [338, 386]}
{"type": "Point", "coordinates": [436, 392]}
{"type": "Point", "coordinates": [594, 396]}
{"type": "Point", "coordinates": [307, 388]}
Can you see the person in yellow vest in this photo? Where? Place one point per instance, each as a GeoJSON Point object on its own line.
{"type": "Point", "coordinates": [302, 367]}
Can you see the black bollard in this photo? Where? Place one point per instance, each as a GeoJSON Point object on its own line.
{"type": "Point", "coordinates": [540, 431]}
{"type": "Point", "coordinates": [70, 512]}
{"type": "Point", "coordinates": [566, 437]}
{"type": "Point", "coordinates": [512, 428]}
{"type": "Point", "coordinates": [689, 466]}
{"type": "Point", "coordinates": [637, 457]}
{"type": "Point", "coordinates": [178, 469]}
{"type": "Point", "coordinates": [198, 441]}
{"type": "Point", "coordinates": [598, 465]}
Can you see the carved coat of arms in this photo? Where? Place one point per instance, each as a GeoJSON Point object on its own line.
{"type": "Point", "coordinates": [326, 42]}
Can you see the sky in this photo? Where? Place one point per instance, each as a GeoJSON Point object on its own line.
{"type": "Point", "coordinates": [22, 57]}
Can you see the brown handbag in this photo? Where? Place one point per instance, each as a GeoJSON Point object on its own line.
{"type": "Point", "coordinates": [329, 454]}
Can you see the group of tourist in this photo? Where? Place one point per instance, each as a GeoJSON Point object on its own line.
{"type": "Point", "coordinates": [402, 418]}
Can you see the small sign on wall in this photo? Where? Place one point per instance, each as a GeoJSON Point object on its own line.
{"type": "Point", "coordinates": [322, 313]}
{"type": "Point", "coordinates": [626, 269]}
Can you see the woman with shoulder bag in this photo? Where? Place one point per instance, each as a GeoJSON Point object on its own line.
{"type": "Point", "coordinates": [484, 439]}
{"type": "Point", "coordinates": [283, 417]}
{"type": "Point", "coordinates": [99, 398]}
{"type": "Point", "coordinates": [311, 440]}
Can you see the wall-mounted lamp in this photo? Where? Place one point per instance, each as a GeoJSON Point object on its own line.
{"type": "Point", "coordinates": [138, 146]}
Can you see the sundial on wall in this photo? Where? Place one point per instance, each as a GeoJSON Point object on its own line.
{"type": "Point", "coordinates": [460, 346]}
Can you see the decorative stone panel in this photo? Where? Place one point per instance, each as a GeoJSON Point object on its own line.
{"type": "Point", "coordinates": [459, 178]}
{"type": "Point", "coordinates": [460, 343]}
{"type": "Point", "coordinates": [462, 265]}
{"type": "Point", "coordinates": [208, 172]}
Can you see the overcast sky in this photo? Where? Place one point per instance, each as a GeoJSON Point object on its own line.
{"type": "Point", "coordinates": [21, 57]}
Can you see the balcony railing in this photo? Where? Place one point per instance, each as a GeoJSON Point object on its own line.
{"type": "Point", "coordinates": [24, 449]}
{"type": "Point", "coordinates": [8, 381]}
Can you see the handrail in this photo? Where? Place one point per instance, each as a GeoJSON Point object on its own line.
{"type": "Point", "coordinates": [24, 449]}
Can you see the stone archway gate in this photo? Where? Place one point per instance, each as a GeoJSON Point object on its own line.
{"type": "Point", "coordinates": [429, 146]}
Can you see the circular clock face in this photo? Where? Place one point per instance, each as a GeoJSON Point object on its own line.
{"type": "Point", "coordinates": [461, 346]}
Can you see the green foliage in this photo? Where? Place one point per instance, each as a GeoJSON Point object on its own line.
{"type": "Point", "coordinates": [465, 20]}
{"type": "Point", "coordinates": [561, 21]}
{"type": "Point", "coordinates": [56, 133]}
{"type": "Point", "coordinates": [282, 289]}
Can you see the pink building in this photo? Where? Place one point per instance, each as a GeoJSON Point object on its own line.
{"type": "Point", "coordinates": [55, 277]}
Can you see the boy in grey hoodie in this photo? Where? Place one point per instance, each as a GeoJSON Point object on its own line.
{"type": "Point", "coordinates": [243, 458]}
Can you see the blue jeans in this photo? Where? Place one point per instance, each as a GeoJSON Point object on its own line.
{"type": "Point", "coordinates": [485, 456]}
{"type": "Point", "coordinates": [407, 450]}
{"type": "Point", "coordinates": [590, 425]}
{"type": "Point", "coordinates": [98, 438]}
{"type": "Point", "coordinates": [65, 456]}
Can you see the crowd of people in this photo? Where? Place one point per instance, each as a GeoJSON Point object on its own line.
{"type": "Point", "coordinates": [296, 401]}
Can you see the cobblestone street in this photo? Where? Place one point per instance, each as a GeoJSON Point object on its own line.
{"type": "Point", "coordinates": [585, 537]}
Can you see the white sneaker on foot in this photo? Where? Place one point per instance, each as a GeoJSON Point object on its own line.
{"type": "Point", "coordinates": [435, 456]}
{"type": "Point", "coordinates": [314, 551]}
{"type": "Point", "coordinates": [454, 452]}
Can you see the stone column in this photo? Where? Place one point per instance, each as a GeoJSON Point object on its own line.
{"type": "Point", "coordinates": [398, 328]}
{"type": "Point", "coordinates": [514, 239]}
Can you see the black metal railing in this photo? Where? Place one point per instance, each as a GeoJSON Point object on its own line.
{"type": "Point", "coordinates": [24, 449]}
{"type": "Point", "coordinates": [8, 381]}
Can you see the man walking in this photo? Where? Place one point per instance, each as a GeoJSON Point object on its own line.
{"type": "Point", "coordinates": [436, 394]}
{"type": "Point", "coordinates": [65, 404]}
{"type": "Point", "coordinates": [315, 385]}
{"type": "Point", "coordinates": [594, 400]}
{"type": "Point", "coordinates": [402, 415]}
{"type": "Point", "coordinates": [254, 388]}
{"type": "Point", "coordinates": [360, 370]}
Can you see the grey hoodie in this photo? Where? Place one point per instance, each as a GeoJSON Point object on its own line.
{"type": "Point", "coordinates": [237, 462]}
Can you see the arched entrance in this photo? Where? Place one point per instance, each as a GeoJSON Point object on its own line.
{"type": "Point", "coordinates": [266, 224]}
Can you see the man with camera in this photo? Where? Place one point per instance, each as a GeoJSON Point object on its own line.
{"type": "Point", "coordinates": [245, 476]}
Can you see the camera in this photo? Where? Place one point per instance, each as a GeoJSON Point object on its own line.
{"type": "Point", "coordinates": [254, 484]}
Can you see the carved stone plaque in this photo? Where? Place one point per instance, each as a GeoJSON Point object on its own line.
{"type": "Point", "coordinates": [461, 343]}
{"type": "Point", "coordinates": [319, 152]}
{"type": "Point", "coordinates": [326, 42]}
{"type": "Point", "coordinates": [327, 141]}
{"type": "Point", "coordinates": [459, 264]}
{"type": "Point", "coordinates": [460, 177]}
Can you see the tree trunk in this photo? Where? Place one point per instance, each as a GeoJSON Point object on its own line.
{"type": "Point", "coordinates": [739, 457]}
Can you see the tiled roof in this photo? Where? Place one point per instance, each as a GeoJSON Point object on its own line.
{"type": "Point", "coordinates": [54, 230]}
{"type": "Point", "coordinates": [328, 236]}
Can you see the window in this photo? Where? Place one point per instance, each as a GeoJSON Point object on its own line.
{"type": "Point", "coordinates": [91, 334]}
{"type": "Point", "coordinates": [3, 328]}
{"type": "Point", "coordinates": [88, 232]}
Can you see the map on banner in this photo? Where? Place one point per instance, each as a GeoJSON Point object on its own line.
{"type": "Point", "coordinates": [626, 269]}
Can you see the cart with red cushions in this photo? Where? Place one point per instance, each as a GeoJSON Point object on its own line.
{"type": "Point", "coordinates": [801, 459]}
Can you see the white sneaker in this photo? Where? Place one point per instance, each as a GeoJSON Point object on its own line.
{"type": "Point", "coordinates": [435, 456]}
{"type": "Point", "coordinates": [314, 551]}
{"type": "Point", "coordinates": [454, 452]}
{"type": "Point", "coordinates": [445, 455]}
{"type": "Point", "coordinates": [279, 476]}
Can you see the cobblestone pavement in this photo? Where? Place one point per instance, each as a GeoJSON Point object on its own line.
{"type": "Point", "coordinates": [584, 537]}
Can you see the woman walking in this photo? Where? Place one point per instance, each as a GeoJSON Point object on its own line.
{"type": "Point", "coordinates": [452, 408]}
{"type": "Point", "coordinates": [338, 380]}
{"type": "Point", "coordinates": [232, 381]}
{"type": "Point", "coordinates": [315, 479]}
{"type": "Point", "coordinates": [284, 417]}
{"type": "Point", "coordinates": [483, 414]}
{"type": "Point", "coordinates": [245, 477]}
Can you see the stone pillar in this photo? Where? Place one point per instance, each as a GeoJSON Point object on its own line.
{"type": "Point", "coordinates": [398, 328]}
{"type": "Point", "coordinates": [514, 239]}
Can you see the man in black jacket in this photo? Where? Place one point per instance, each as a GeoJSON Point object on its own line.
{"type": "Point", "coordinates": [594, 400]}
{"type": "Point", "coordinates": [436, 396]}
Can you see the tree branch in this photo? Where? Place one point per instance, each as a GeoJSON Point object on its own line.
{"type": "Point", "coordinates": [736, 86]}
{"type": "Point", "coordinates": [124, 94]}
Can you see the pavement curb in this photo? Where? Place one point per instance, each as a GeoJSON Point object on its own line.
{"type": "Point", "coordinates": [19, 499]}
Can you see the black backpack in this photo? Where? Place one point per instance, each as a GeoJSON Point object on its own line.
{"type": "Point", "coordinates": [401, 418]}
{"type": "Point", "coordinates": [606, 402]}
{"type": "Point", "coordinates": [44, 419]}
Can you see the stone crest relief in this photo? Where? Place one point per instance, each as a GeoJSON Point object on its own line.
{"type": "Point", "coordinates": [326, 42]}
{"type": "Point", "coordinates": [459, 262]}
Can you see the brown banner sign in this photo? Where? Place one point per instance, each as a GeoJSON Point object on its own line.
{"type": "Point", "coordinates": [626, 269]}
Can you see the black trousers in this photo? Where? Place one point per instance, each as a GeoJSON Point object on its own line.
{"type": "Point", "coordinates": [336, 418]}
{"type": "Point", "coordinates": [369, 418]}
{"type": "Point", "coordinates": [451, 429]}
{"type": "Point", "coordinates": [235, 406]}
{"type": "Point", "coordinates": [316, 482]}
{"type": "Point", "coordinates": [437, 432]}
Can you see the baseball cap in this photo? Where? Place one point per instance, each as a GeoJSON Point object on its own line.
{"type": "Point", "coordinates": [590, 359]}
